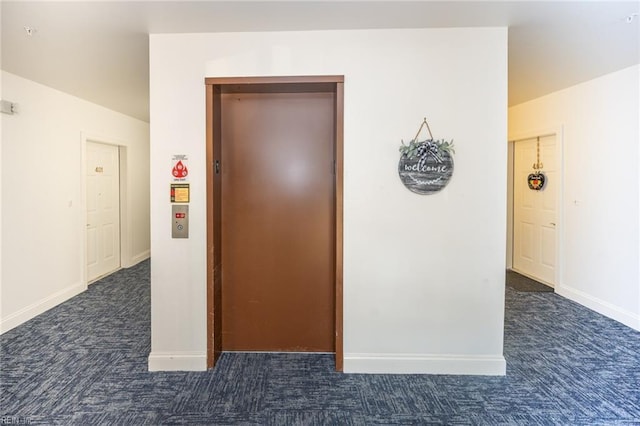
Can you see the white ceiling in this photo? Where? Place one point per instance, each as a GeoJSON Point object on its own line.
{"type": "Point", "coordinates": [99, 50]}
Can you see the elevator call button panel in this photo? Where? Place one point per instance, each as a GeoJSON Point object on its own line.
{"type": "Point", "coordinates": [179, 221]}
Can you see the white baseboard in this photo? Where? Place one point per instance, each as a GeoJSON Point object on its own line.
{"type": "Point", "coordinates": [607, 309]}
{"type": "Point", "coordinates": [140, 257]}
{"type": "Point", "coordinates": [484, 365]}
{"type": "Point", "coordinates": [39, 307]}
{"type": "Point", "coordinates": [181, 361]}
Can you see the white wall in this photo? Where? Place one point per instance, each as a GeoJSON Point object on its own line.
{"type": "Point", "coordinates": [423, 275]}
{"type": "Point", "coordinates": [600, 236]}
{"type": "Point", "coordinates": [43, 217]}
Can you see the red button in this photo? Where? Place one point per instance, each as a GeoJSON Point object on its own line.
{"type": "Point", "coordinates": [180, 215]}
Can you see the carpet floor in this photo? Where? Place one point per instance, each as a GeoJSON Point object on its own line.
{"type": "Point", "coordinates": [85, 362]}
{"type": "Point", "coordinates": [519, 282]}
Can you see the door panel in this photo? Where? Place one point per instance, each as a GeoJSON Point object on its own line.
{"type": "Point", "coordinates": [526, 252]}
{"type": "Point", "coordinates": [103, 210]}
{"type": "Point", "coordinates": [548, 252]}
{"type": "Point", "coordinates": [278, 221]}
{"type": "Point", "coordinates": [534, 236]}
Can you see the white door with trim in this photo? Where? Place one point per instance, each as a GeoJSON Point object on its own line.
{"type": "Point", "coordinates": [103, 210]}
{"type": "Point", "coordinates": [534, 211]}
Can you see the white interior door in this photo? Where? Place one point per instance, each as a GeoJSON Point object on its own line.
{"type": "Point", "coordinates": [534, 212]}
{"type": "Point", "coordinates": [103, 210]}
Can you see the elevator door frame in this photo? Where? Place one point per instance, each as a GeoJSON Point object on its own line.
{"type": "Point", "coordinates": [215, 87]}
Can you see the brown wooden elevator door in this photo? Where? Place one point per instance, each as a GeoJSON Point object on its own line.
{"type": "Point", "coordinates": [278, 222]}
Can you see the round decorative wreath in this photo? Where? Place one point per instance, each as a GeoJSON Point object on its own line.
{"type": "Point", "coordinates": [426, 166]}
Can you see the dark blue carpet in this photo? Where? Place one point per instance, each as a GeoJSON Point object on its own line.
{"type": "Point", "coordinates": [520, 282]}
{"type": "Point", "coordinates": [85, 362]}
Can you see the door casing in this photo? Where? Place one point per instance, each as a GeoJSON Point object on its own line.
{"type": "Point", "coordinates": [214, 88]}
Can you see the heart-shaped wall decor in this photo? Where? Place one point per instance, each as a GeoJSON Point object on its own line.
{"type": "Point", "coordinates": [536, 181]}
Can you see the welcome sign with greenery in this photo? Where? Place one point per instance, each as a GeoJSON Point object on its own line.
{"type": "Point", "coordinates": [426, 166]}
